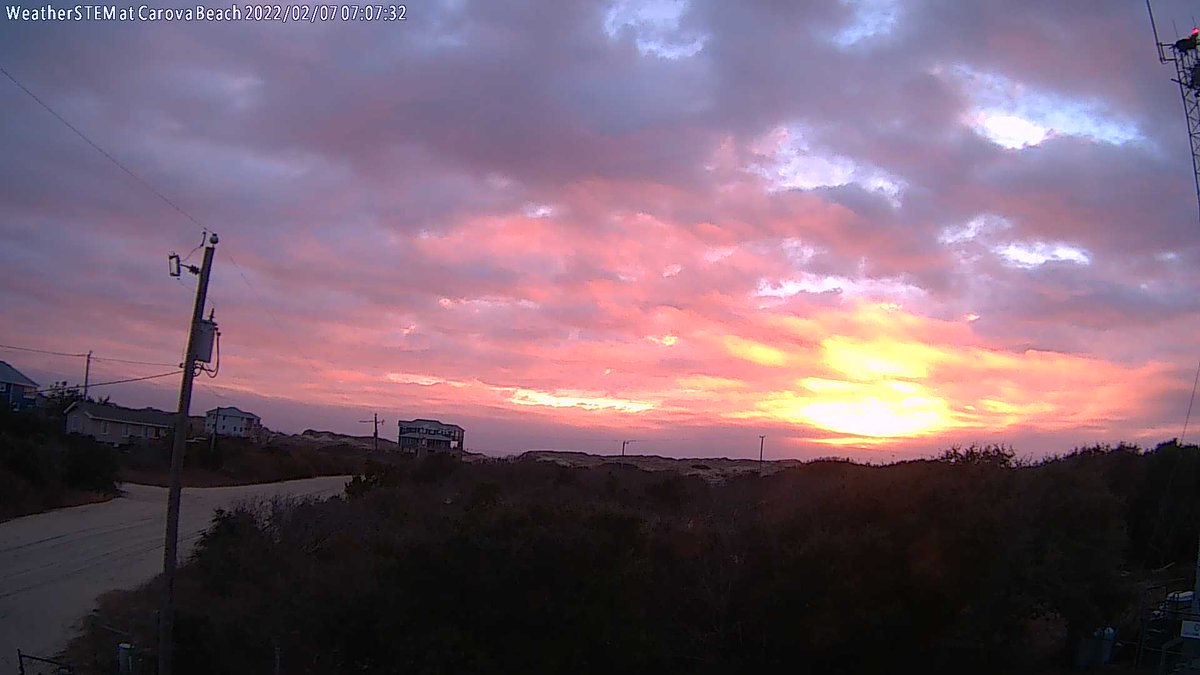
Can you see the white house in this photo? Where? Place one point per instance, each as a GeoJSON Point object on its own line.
{"type": "Point", "coordinates": [232, 422]}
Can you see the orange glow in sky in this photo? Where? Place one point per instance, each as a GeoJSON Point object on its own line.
{"type": "Point", "coordinates": [535, 237]}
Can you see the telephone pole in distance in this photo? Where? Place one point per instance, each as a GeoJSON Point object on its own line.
{"type": "Point", "coordinates": [375, 421]}
{"type": "Point", "coordinates": [87, 373]}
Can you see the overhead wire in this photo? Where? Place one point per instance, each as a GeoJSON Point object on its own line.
{"type": "Point", "coordinates": [1191, 400]}
{"type": "Point", "coordinates": [274, 319]}
{"type": "Point", "coordinates": [136, 363]}
{"type": "Point", "coordinates": [129, 379]}
{"type": "Point", "coordinates": [82, 355]}
{"type": "Point", "coordinates": [203, 240]}
{"type": "Point", "coordinates": [309, 360]}
{"type": "Point", "coordinates": [162, 197]}
{"type": "Point", "coordinates": [42, 351]}
{"type": "Point", "coordinates": [101, 150]}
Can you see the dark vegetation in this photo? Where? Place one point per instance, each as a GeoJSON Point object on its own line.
{"type": "Point", "coordinates": [217, 461]}
{"type": "Point", "coordinates": [41, 467]}
{"type": "Point", "coordinates": [968, 563]}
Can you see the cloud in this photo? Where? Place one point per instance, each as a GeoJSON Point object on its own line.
{"type": "Point", "coordinates": [655, 25]}
{"type": "Point", "coordinates": [856, 225]}
{"type": "Point", "coordinates": [1016, 116]}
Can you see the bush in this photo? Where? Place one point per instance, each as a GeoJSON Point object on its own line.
{"type": "Point", "coordinates": [90, 466]}
{"type": "Point", "coordinates": [43, 467]}
{"type": "Point", "coordinates": [442, 566]}
{"type": "Point", "coordinates": [435, 467]}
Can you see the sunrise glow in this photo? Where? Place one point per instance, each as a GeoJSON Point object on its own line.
{"type": "Point", "coordinates": [865, 227]}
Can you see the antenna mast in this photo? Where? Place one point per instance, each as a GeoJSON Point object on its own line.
{"type": "Point", "coordinates": [1186, 57]}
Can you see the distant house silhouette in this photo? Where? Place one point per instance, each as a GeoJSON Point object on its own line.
{"type": "Point", "coordinates": [114, 424]}
{"type": "Point", "coordinates": [421, 435]}
{"type": "Point", "coordinates": [16, 390]}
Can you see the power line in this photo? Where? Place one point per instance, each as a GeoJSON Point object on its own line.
{"type": "Point", "coordinates": [203, 239]}
{"type": "Point", "coordinates": [94, 358]}
{"type": "Point", "coordinates": [130, 379]}
{"type": "Point", "coordinates": [43, 351]}
{"type": "Point", "coordinates": [136, 379]}
{"type": "Point", "coordinates": [274, 319]}
{"type": "Point", "coordinates": [136, 363]}
{"type": "Point", "coordinates": [101, 150]}
{"type": "Point", "coordinates": [215, 391]}
{"type": "Point", "coordinates": [158, 194]}
{"type": "Point", "coordinates": [1190, 402]}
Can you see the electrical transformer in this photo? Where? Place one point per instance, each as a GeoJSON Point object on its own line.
{"type": "Point", "coordinates": [206, 333]}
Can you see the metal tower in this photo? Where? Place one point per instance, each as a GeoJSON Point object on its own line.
{"type": "Point", "coordinates": [1183, 53]}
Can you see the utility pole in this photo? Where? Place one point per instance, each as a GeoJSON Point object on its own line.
{"type": "Point", "coordinates": [87, 373]}
{"type": "Point", "coordinates": [376, 421]}
{"type": "Point", "coordinates": [166, 618]}
{"type": "Point", "coordinates": [762, 438]}
{"type": "Point", "coordinates": [625, 443]}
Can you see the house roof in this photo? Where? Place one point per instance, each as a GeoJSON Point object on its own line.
{"type": "Point", "coordinates": [232, 412]}
{"type": "Point", "coordinates": [149, 417]}
{"type": "Point", "coordinates": [428, 424]}
{"type": "Point", "coordinates": [13, 376]}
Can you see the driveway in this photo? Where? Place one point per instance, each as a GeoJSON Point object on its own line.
{"type": "Point", "coordinates": [53, 566]}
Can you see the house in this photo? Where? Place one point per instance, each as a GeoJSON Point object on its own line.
{"type": "Point", "coordinates": [16, 391]}
{"type": "Point", "coordinates": [115, 424]}
{"type": "Point", "coordinates": [423, 435]}
{"type": "Point", "coordinates": [232, 422]}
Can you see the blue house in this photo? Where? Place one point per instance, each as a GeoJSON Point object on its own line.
{"type": "Point", "coordinates": [16, 390]}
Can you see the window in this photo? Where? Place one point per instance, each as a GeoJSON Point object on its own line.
{"type": "Point", "coordinates": [103, 427]}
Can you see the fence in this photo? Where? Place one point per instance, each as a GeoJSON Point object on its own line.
{"type": "Point", "coordinates": [1170, 630]}
{"type": "Point", "coordinates": [28, 664]}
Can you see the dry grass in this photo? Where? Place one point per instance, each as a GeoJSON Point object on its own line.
{"type": "Point", "coordinates": [714, 471]}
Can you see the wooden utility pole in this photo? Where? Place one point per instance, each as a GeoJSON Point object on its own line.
{"type": "Point", "coordinates": [762, 438]}
{"type": "Point", "coordinates": [87, 373]}
{"type": "Point", "coordinates": [166, 618]}
{"type": "Point", "coordinates": [375, 421]}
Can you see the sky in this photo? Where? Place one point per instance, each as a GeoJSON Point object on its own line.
{"type": "Point", "coordinates": [863, 228]}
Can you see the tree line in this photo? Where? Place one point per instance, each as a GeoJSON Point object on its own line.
{"type": "Point", "coordinates": [969, 561]}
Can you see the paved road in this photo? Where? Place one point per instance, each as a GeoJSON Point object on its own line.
{"type": "Point", "coordinates": [53, 566]}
